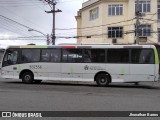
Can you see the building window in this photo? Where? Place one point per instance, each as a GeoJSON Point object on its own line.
{"type": "Point", "coordinates": [115, 32]}
{"type": "Point", "coordinates": [144, 30]}
{"type": "Point", "coordinates": [114, 10]}
{"type": "Point", "coordinates": [144, 6]}
{"type": "Point", "coordinates": [94, 13]}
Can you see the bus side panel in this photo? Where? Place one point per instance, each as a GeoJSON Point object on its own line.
{"type": "Point", "coordinates": [87, 71]}
{"type": "Point", "coordinates": [10, 71]}
{"type": "Point", "coordinates": [142, 72]}
{"type": "Point", "coordinates": [16, 71]}
{"type": "Point", "coordinates": [91, 69]}
{"type": "Point", "coordinates": [44, 71]}
{"type": "Point", "coordinates": [7, 72]}
{"type": "Point", "coordinates": [54, 70]}
{"type": "Point", "coordinates": [72, 71]}
{"type": "Point", "coordinates": [119, 72]}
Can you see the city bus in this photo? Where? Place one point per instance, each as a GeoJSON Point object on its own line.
{"type": "Point", "coordinates": [102, 64]}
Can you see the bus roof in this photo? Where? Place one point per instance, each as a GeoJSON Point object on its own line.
{"type": "Point", "coordinates": [83, 46]}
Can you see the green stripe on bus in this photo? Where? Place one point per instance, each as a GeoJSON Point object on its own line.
{"type": "Point", "coordinates": [33, 47]}
{"type": "Point", "coordinates": [156, 56]}
{"type": "Point", "coordinates": [41, 47]}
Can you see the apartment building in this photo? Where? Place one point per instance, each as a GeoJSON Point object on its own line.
{"type": "Point", "coordinates": [113, 21]}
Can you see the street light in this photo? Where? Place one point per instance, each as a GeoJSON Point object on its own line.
{"type": "Point", "coordinates": [46, 36]}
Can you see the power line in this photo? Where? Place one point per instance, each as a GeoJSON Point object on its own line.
{"type": "Point", "coordinates": [15, 22]}
{"type": "Point", "coordinates": [37, 6]}
{"type": "Point", "coordinates": [21, 3]}
{"type": "Point", "coordinates": [20, 24]}
{"type": "Point", "coordinates": [11, 26]}
{"type": "Point", "coordinates": [15, 14]}
{"type": "Point", "coordinates": [96, 26]}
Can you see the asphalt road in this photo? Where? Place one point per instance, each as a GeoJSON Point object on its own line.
{"type": "Point", "coordinates": [55, 96]}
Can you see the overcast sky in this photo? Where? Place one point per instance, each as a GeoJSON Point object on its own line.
{"type": "Point", "coordinates": [32, 14]}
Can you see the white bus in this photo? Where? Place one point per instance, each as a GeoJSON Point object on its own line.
{"type": "Point", "coordinates": [102, 64]}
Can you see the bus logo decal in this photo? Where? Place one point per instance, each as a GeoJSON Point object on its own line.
{"type": "Point", "coordinates": [86, 67]}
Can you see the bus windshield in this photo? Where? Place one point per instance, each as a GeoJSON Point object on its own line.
{"type": "Point", "coordinates": [10, 58]}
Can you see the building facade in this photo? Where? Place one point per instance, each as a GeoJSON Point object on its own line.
{"type": "Point", "coordinates": [113, 21]}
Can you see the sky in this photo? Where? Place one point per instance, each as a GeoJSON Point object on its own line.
{"type": "Point", "coordinates": [31, 13]}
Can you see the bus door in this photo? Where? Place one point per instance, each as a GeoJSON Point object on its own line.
{"type": "Point", "coordinates": [142, 67]}
{"type": "Point", "coordinates": [9, 67]}
{"type": "Point", "coordinates": [71, 64]}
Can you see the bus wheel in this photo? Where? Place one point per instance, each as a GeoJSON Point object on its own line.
{"type": "Point", "coordinates": [102, 80]}
{"type": "Point", "coordinates": [27, 77]}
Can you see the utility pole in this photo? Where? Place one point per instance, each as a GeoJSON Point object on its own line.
{"type": "Point", "coordinates": [53, 28]}
{"type": "Point", "coordinates": [52, 4]}
{"type": "Point", "coordinates": [137, 22]}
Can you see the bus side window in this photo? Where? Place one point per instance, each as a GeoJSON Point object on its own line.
{"type": "Point", "coordinates": [98, 55]}
{"type": "Point", "coordinates": [142, 56]}
{"type": "Point", "coordinates": [30, 55]}
{"type": "Point", "coordinates": [55, 55]}
{"type": "Point", "coordinates": [45, 55]}
{"type": "Point", "coordinates": [118, 56]}
{"type": "Point", "coordinates": [87, 56]}
{"type": "Point", "coordinates": [72, 55]}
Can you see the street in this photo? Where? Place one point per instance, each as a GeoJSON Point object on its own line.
{"type": "Point", "coordinates": [66, 96]}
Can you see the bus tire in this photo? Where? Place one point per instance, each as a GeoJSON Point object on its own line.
{"type": "Point", "coordinates": [27, 78]}
{"type": "Point", "coordinates": [102, 80]}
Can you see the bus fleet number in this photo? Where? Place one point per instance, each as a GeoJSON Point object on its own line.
{"type": "Point", "coordinates": [35, 67]}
